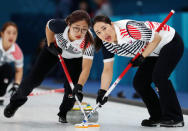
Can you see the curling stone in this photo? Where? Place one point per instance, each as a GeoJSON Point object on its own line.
{"type": "Point", "coordinates": [75, 115]}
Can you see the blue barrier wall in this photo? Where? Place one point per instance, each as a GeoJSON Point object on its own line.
{"type": "Point", "coordinates": [122, 7]}
{"type": "Point", "coordinates": [31, 17]}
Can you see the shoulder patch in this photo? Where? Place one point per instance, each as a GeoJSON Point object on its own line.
{"type": "Point", "coordinates": [17, 54]}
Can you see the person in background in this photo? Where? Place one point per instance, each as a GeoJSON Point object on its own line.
{"type": "Point", "coordinates": [103, 8]}
{"type": "Point", "coordinates": [75, 44]}
{"type": "Point", "coordinates": [10, 53]}
{"type": "Point", "coordinates": [84, 5]}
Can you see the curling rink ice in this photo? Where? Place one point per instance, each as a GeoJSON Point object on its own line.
{"type": "Point", "coordinates": [39, 114]}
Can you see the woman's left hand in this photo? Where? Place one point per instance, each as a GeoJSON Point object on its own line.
{"type": "Point", "coordinates": [138, 61]}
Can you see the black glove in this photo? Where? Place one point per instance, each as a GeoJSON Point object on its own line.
{"type": "Point", "coordinates": [78, 91]}
{"type": "Point", "coordinates": [14, 88]}
{"type": "Point", "coordinates": [55, 49]}
{"type": "Point", "coordinates": [100, 96]}
{"type": "Point", "coordinates": [138, 61]}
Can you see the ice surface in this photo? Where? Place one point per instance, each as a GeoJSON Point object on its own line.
{"type": "Point", "coordinates": [40, 114]}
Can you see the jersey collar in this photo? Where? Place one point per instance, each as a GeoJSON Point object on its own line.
{"type": "Point", "coordinates": [11, 49]}
{"type": "Point", "coordinates": [117, 31]}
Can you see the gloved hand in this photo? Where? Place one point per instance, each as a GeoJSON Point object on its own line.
{"type": "Point", "coordinates": [138, 61]}
{"type": "Point", "coordinates": [55, 49]}
{"type": "Point", "coordinates": [78, 91]}
{"type": "Point", "coordinates": [14, 88]}
{"type": "Point", "coordinates": [100, 96]}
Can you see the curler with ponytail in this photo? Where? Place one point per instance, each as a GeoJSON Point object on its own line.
{"type": "Point", "coordinates": [80, 15]}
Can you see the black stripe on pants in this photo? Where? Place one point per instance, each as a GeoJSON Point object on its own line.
{"type": "Point", "coordinates": [158, 70]}
{"type": "Point", "coordinates": [6, 75]}
{"type": "Point", "coordinates": [74, 67]}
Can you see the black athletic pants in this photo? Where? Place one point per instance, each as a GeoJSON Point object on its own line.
{"type": "Point", "coordinates": [6, 75]}
{"type": "Point", "coordinates": [158, 70]}
{"type": "Point", "coordinates": [44, 63]}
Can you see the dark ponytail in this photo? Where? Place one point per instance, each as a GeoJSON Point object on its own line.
{"type": "Point", "coordinates": [101, 18]}
{"type": "Point", "coordinates": [88, 39]}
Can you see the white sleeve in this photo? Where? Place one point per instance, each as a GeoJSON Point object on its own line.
{"type": "Point", "coordinates": [19, 63]}
{"type": "Point", "coordinates": [89, 52]}
{"type": "Point", "coordinates": [153, 31]}
{"type": "Point", "coordinates": [18, 57]}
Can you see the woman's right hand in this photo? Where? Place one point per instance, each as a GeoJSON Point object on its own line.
{"type": "Point", "coordinates": [55, 49]}
{"type": "Point", "coordinates": [100, 96]}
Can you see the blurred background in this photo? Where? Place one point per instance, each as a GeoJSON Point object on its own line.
{"type": "Point", "coordinates": [31, 17]}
